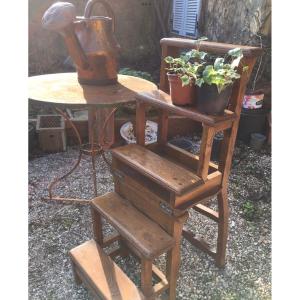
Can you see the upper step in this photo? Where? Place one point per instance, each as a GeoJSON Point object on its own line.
{"type": "Point", "coordinates": [147, 237]}
{"type": "Point", "coordinates": [157, 168]}
{"type": "Point", "coordinates": [99, 272]}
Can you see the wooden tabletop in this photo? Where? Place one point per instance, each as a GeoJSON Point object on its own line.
{"type": "Point", "coordinates": [64, 88]}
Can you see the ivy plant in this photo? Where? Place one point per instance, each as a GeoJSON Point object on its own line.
{"type": "Point", "coordinates": [184, 67]}
{"type": "Point", "coordinates": [219, 71]}
{"type": "Point", "coordinates": [200, 68]}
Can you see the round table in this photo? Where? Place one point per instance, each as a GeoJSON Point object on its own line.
{"type": "Point", "coordinates": [62, 90]}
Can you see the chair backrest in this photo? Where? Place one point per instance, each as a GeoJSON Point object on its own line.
{"type": "Point", "coordinates": [172, 47]}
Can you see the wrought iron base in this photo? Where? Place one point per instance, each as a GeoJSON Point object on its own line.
{"type": "Point", "coordinates": [91, 149]}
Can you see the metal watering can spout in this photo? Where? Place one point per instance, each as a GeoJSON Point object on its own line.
{"type": "Point", "coordinates": [60, 17]}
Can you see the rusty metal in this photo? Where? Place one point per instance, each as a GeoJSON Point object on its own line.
{"type": "Point", "coordinates": [91, 149]}
{"type": "Point", "coordinates": [90, 40]}
{"type": "Point", "coordinates": [105, 144]}
{"type": "Point", "coordinates": [63, 90]}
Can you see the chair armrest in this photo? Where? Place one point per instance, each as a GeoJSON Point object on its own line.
{"type": "Point", "coordinates": [162, 100]}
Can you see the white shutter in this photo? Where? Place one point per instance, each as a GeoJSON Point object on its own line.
{"type": "Point", "coordinates": [192, 17]}
{"type": "Point", "coordinates": [185, 17]}
{"type": "Point", "coordinates": [178, 16]}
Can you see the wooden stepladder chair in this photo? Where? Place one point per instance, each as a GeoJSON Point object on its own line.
{"type": "Point", "coordinates": [212, 178]}
{"type": "Point", "coordinates": [155, 186]}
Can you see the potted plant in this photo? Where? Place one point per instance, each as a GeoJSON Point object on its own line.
{"type": "Point", "coordinates": [214, 80]}
{"type": "Point", "coordinates": [181, 75]}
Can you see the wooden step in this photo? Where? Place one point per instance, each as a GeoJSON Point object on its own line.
{"type": "Point", "coordinates": [101, 275]}
{"type": "Point", "coordinates": [164, 172]}
{"type": "Point", "coordinates": [147, 237]}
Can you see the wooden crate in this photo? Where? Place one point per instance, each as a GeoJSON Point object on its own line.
{"type": "Point", "coordinates": [52, 133]}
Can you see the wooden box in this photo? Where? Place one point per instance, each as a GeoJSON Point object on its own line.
{"type": "Point", "coordinates": [52, 133]}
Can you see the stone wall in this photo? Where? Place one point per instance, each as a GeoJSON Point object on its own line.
{"type": "Point", "coordinates": [245, 22]}
{"type": "Point", "coordinates": [236, 21]}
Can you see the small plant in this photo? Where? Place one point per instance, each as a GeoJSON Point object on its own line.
{"type": "Point", "coordinates": [219, 71]}
{"type": "Point", "coordinates": [249, 210]}
{"type": "Point", "coordinates": [182, 67]}
{"type": "Point", "coordinates": [135, 73]}
{"type": "Point", "coordinates": [199, 67]}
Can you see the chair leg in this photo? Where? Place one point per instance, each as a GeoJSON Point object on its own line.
{"type": "Point", "coordinates": [146, 279]}
{"type": "Point", "coordinates": [76, 276]}
{"type": "Point", "coordinates": [222, 229]}
{"type": "Point", "coordinates": [97, 227]}
{"type": "Point", "coordinates": [173, 260]}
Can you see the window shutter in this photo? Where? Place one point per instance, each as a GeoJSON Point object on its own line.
{"type": "Point", "coordinates": [191, 17]}
{"type": "Point", "coordinates": [185, 17]}
{"type": "Point", "coordinates": [178, 16]}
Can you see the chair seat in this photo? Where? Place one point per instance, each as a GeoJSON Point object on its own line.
{"type": "Point", "coordinates": [164, 172]}
{"type": "Point", "coordinates": [101, 275]}
{"type": "Point", "coordinates": [147, 237]}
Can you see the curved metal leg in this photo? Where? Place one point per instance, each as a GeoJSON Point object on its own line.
{"type": "Point", "coordinates": [93, 149]}
{"type": "Point", "coordinates": [56, 180]}
{"type": "Point", "coordinates": [93, 155]}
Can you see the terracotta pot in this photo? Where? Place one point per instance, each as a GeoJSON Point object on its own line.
{"type": "Point", "coordinates": [209, 101]}
{"type": "Point", "coordinates": [181, 95]}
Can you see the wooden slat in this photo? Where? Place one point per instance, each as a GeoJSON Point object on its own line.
{"type": "Point", "coordinates": [162, 100]}
{"type": "Point", "coordinates": [145, 235]}
{"type": "Point", "coordinates": [108, 240]}
{"type": "Point", "coordinates": [210, 187]}
{"type": "Point", "coordinates": [139, 196]}
{"type": "Point", "coordinates": [146, 279]}
{"type": "Point", "coordinates": [227, 145]}
{"type": "Point", "coordinates": [140, 123]}
{"type": "Point", "coordinates": [205, 151]}
{"type": "Point", "coordinates": [101, 274]}
{"type": "Point", "coordinates": [162, 284]}
{"type": "Point", "coordinates": [211, 47]}
{"type": "Point", "coordinates": [160, 170]}
{"type": "Point", "coordinates": [206, 211]}
{"type": "Point", "coordinates": [162, 136]}
{"type": "Point", "coordinates": [180, 156]}
{"type": "Point", "coordinates": [199, 243]}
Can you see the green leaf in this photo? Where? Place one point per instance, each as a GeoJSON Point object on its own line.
{"type": "Point", "coordinates": [235, 63]}
{"type": "Point", "coordinates": [208, 74]}
{"type": "Point", "coordinates": [199, 81]}
{"type": "Point", "coordinates": [236, 52]}
{"type": "Point", "coordinates": [202, 38]}
{"type": "Point", "coordinates": [245, 68]}
{"type": "Point", "coordinates": [185, 80]}
{"type": "Point", "coordinates": [169, 60]}
{"type": "Point", "coordinates": [218, 63]}
{"type": "Point", "coordinates": [202, 54]}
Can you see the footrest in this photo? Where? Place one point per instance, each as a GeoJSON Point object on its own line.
{"type": "Point", "coordinates": [164, 172]}
{"type": "Point", "coordinates": [147, 237]}
{"type": "Point", "coordinates": [101, 275]}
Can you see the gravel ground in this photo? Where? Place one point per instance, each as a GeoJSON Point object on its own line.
{"type": "Point", "coordinates": [55, 228]}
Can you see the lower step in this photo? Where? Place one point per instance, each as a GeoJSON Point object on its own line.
{"type": "Point", "coordinates": [101, 275]}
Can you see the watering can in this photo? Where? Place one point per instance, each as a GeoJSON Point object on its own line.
{"type": "Point", "coordinates": [89, 39]}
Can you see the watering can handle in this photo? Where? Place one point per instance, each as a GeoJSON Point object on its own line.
{"type": "Point", "coordinates": [90, 4]}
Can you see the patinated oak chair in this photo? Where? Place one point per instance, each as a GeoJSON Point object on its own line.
{"type": "Point", "coordinates": [212, 179]}
{"type": "Point", "coordinates": [155, 186]}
